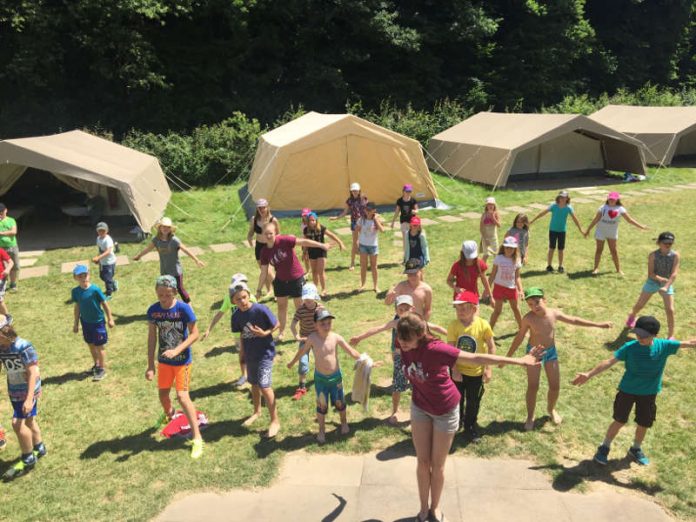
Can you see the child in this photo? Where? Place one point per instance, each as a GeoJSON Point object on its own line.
{"type": "Point", "coordinates": [419, 290]}
{"type": "Point", "coordinates": [663, 267]}
{"type": "Point", "coordinates": [368, 227]}
{"type": "Point", "coordinates": [506, 281]}
{"type": "Point", "coordinates": [470, 333]}
{"type": "Point", "coordinates": [262, 216]}
{"type": "Point", "coordinates": [304, 218]}
{"type": "Point", "coordinates": [645, 359]}
{"type": "Point", "coordinates": [317, 256]}
{"type": "Point", "coordinates": [106, 259]}
{"type": "Point", "coordinates": [416, 244]}
{"type": "Point", "coordinates": [355, 206]}
{"type": "Point", "coordinates": [89, 302]}
{"type": "Point", "coordinates": [20, 360]}
{"type": "Point", "coordinates": [328, 380]}
{"type": "Point", "coordinates": [168, 246]}
{"type": "Point", "coordinates": [560, 210]}
{"type": "Point", "coordinates": [466, 272]}
{"type": "Point", "coordinates": [489, 225]}
{"type": "Point", "coordinates": [256, 324]}
{"type": "Point", "coordinates": [6, 265]}
{"type": "Point", "coordinates": [304, 315]}
{"type": "Point", "coordinates": [540, 322]}
{"type": "Point", "coordinates": [406, 209]}
{"type": "Point", "coordinates": [173, 323]}
{"type": "Point", "coordinates": [520, 231]}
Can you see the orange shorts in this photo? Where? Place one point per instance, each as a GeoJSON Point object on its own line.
{"type": "Point", "coordinates": [168, 374]}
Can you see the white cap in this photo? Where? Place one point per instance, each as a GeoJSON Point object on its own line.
{"type": "Point", "coordinates": [355, 186]}
{"type": "Point", "coordinates": [403, 299]}
{"type": "Point", "coordinates": [470, 249]}
{"type": "Point", "coordinates": [165, 222]}
{"type": "Point", "coordinates": [511, 242]}
{"type": "Point", "coordinates": [490, 200]}
{"type": "Point", "coordinates": [237, 286]}
{"type": "Point", "coordinates": [239, 278]}
{"type": "Point", "coordinates": [309, 291]}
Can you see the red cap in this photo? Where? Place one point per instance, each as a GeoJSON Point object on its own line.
{"type": "Point", "coordinates": [467, 296]}
{"type": "Point", "coordinates": [415, 220]}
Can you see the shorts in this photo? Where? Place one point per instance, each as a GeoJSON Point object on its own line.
{"type": "Point", "coordinates": [168, 374]}
{"type": "Point", "coordinates": [405, 227]}
{"type": "Point", "coordinates": [303, 368]}
{"type": "Point", "coordinates": [646, 409]}
{"type": "Point", "coordinates": [651, 286]}
{"type": "Point", "coordinates": [19, 414]}
{"type": "Point", "coordinates": [94, 333]}
{"type": "Point", "coordinates": [260, 373]}
{"type": "Point", "coordinates": [603, 233]}
{"type": "Point", "coordinates": [353, 225]}
{"type": "Point", "coordinates": [13, 252]}
{"type": "Point", "coordinates": [504, 293]}
{"type": "Point", "coordinates": [369, 250]}
{"type": "Point", "coordinates": [257, 250]}
{"type": "Point", "coordinates": [447, 422]}
{"type": "Point", "coordinates": [551, 354]}
{"type": "Point", "coordinates": [557, 238]}
{"type": "Point", "coordinates": [316, 253]}
{"type": "Point", "coordinates": [3, 287]}
{"type": "Point", "coordinates": [399, 381]}
{"type": "Point", "coordinates": [329, 391]}
{"type": "Point", "coordinates": [288, 288]}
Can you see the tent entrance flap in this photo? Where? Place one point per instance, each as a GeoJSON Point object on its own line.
{"type": "Point", "coordinates": [573, 152]}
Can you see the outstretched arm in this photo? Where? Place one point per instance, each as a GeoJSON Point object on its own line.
{"type": "Point", "coordinates": [372, 331]}
{"type": "Point", "coordinates": [539, 216]}
{"type": "Point", "coordinates": [336, 239]}
{"type": "Point", "coordinates": [583, 377]}
{"type": "Point", "coordinates": [305, 349]}
{"type": "Point", "coordinates": [578, 321]}
{"type": "Point", "coordinates": [531, 359]}
{"type": "Point", "coordinates": [186, 251]}
{"type": "Point", "coordinates": [303, 242]}
{"type": "Point", "coordinates": [633, 222]}
{"type": "Point", "coordinates": [518, 338]}
{"type": "Point", "coordinates": [348, 348]}
{"type": "Point", "coordinates": [144, 251]}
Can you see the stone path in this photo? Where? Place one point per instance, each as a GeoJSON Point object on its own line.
{"type": "Point", "coordinates": [382, 487]}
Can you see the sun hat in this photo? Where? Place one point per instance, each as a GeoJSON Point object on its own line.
{"type": "Point", "coordinates": [305, 212]}
{"type": "Point", "coordinates": [261, 202]}
{"type": "Point", "coordinates": [646, 326]}
{"type": "Point", "coordinates": [511, 242]}
{"type": "Point", "coordinates": [490, 200]}
{"type": "Point", "coordinates": [408, 187]}
{"type": "Point", "coordinates": [355, 186]}
{"type": "Point", "coordinates": [470, 249]}
{"type": "Point", "coordinates": [413, 266]}
{"type": "Point", "coordinates": [614, 195]}
{"type": "Point", "coordinates": [80, 269]}
{"type": "Point", "coordinates": [322, 314]}
{"type": "Point", "coordinates": [102, 226]}
{"type": "Point", "coordinates": [467, 296]}
{"type": "Point", "coordinates": [534, 291]}
{"type": "Point", "coordinates": [165, 222]}
{"type": "Point", "coordinates": [403, 299]}
{"type": "Point", "coordinates": [239, 278]}
{"type": "Point", "coordinates": [415, 220]}
{"type": "Point", "coordinates": [238, 286]}
{"type": "Point", "coordinates": [665, 237]}
{"type": "Point", "coordinates": [166, 281]}
{"type": "Point", "coordinates": [309, 291]}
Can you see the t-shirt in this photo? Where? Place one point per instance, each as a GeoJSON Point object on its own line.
{"type": "Point", "coordinates": [644, 365]}
{"type": "Point", "coordinates": [609, 220]}
{"type": "Point", "coordinates": [282, 256]}
{"type": "Point", "coordinates": [470, 339]}
{"type": "Point", "coordinates": [427, 368]}
{"type": "Point", "coordinates": [5, 225]}
{"type": "Point", "coordinates": [255, 348]}
{"type": "Point", "coordinates": [89, 300]}
{"type": "Point", "coordinates": [15, 359]}
{"type": "Point", "coordinates": [505, 276]}
{"type": "Point", "coordinates": [357, 207]}
{"type": "Point", "coordinates": [317, 235]}
{"type": "Point", "coordinates": [227, 303]}
{"type": "Point", "coordinates": [406, 209]}
{"type": "Point", "coordinates": [305, 317]}
{"type": "Point", "coordinates": [522, 237]}
{"type": "Point", "coordinates": [172, 330]}
{"type": "Point", "coordinates": [4, 258]}
{"type": "Point", "coordinates": [368, 232]}
{"type": "Point", "coordinates": [103, 245]}
{"type": "Point", "coordinates": [168, 250]}
{"type": "Point", "coordinates": [559, 217]}
{"type": "Point", "coordinates": [415, 249]}
{"type": "Point", "coordinates": [466, 277]}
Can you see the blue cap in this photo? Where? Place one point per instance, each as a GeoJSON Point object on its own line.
{"type": "Point", "coordinates": [80, 269]}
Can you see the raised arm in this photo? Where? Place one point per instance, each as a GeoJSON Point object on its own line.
{"type": "Point", "coordinates": [583, 377]}
{"type": "Point", "coordinates": [531, 359]}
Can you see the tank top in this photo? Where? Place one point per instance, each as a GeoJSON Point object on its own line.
{"type": "Point", "coordinates": [488, 219]}
{"type": "Point", "coordinates": [258, 229]}
{"type": "Point", "coordinates": [315, 235]}
{"type": "Point", "coordinates": [663, 263]}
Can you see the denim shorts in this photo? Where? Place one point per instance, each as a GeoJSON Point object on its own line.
{"type": "Point", "coordinates": [651, 286]}
{"type": "Point", "coordinates": [369, 250]}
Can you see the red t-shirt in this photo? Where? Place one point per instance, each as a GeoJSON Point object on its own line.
{"type": "Point", "coordinates": [427, 368]}
{"type": "Point", "coordinates": [467, 277]}
{"type": "Point", "coordinates": [282, 256]}
{"type": "Point", "coordinates": [4, 257]}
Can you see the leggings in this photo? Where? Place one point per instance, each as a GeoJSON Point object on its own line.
{"type": "Point", "coordinates": [471, 390]}
{"type": "Point", "coordinates": [185, 297]}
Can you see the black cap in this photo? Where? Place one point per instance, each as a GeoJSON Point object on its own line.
{"type": "Point", "coordinates": [665, 237]}
{"type": "Point", "coordinates": [322, 314]}
{"type": "Point", "coordinates": [412, 266]}
{"type": "Point", "coordinates": [646, 326]}
{"type": "Point", "coordinates": [2, 207]}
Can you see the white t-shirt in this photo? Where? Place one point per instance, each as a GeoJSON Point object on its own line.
{"type": "Point", "coordinates": [608, 225]}
{"type": "Point", "coordinates": [505, 275]}
{"type": "Point", "coordinates": [368, 232]}
{"type": "Point", "coordinates": [104, 244]}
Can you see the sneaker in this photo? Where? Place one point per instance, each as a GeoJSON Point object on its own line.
{"type": "Point", "coordinates": [631, 320]}
{"type": "Point", "coordinates": [115, 286]}
{"type": "Point", "coordinates": [13, 287]}
{"type": "Point", "coordinates": [638, 455]}
{"type": "Point", "coordinates": [107, 297]}
{"type": "Point", "coordinates": [240, 382]}
{"type": "Point", "coordinates": [196, 448]}
{"type": "Point", "coordinates": [602, 455]}
{"type": "Point", "coordinates": [561, 269]}
{"type": "Point", "coordinates": [99, 374]}
{"type": "Point", "coordinates": [549, 268]}
{"type": "Point", "coordinates": [299, 393]}
{"type": "Point", "coordinates": [91, 371]}
{"type": "Point", "coordinates": [19, 469]}
{"type": "Point", "coordinates": [40, 450]}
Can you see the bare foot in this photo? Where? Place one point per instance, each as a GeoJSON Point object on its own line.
{"type": "Point", "coordinates": [620, 272]}
{"type": "Point", "coordinates": [351, 267]}
{"type": "Point", "coordinates": [345, 429]}
{"type": "Point", "coordinates": [555, 417]}
{"type": "Point", "coordinates": [376, 290]}
{"type": "Point", "coordinates": [321, 437]}
{"type": "Point", "coordinates": [529, 425]}
{"type": "Point", "coordinates": [362, 287]}
{"type": "Point", "coordinates": [595, 271]}
{"type": "Point", "coordinates": [324, 293]}
{"type": "Point", "coordinates": [273, 429]}
{"type": "Point", "coordinates": [392, 420]}
{"type": "Point", "coordinates": [251, 420]}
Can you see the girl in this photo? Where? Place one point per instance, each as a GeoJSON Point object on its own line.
{"type": "Point", "coordinates": [317, 256]}
{"type": "Point", "coordinates": [435, 402]}
{"type": "Point", "coordinates": [168, 246]}
{"type": "Point", "coordinates": [607, 221]}
{"type": "Point", "coordinates": [466, 272]}
{"type": "Point", "coordinates": [406, 209]}
{"type": "Point", "coordinates": [520, 231]}
{"type": "Point", "coordinates": [416, 244]}
{"type": "Point", "coordinates": [505, 277]}
{"type": "Point", "coordinates": [262, 216]}
{"type": "Point", "coordinates": [368, 227]}
{"type": "Point", "coordinates": [303, 227]}
{"type": "Point", "coordinates": [490, 222]}
{"type": "Point", "coordinates": [663, 266]}
{"type": "Point", "coordinates": [355, 204]}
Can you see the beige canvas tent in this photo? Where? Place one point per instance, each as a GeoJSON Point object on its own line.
{"type": "Point", "coordinates": [667, 132]}
{"type": "Point", "coordinates": [312, 160]}
{"type": "Point", "coordinates": [91, 165]}
{"type": "Point", "coordinates": [494, 148]}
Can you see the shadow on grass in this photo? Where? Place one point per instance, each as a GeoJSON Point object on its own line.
{"type": "Point", "coordinates": [341, 295]}
{"type": "Point", "coordinates": [506, 336]}
{"type": "Point", "coordinates": [497, 428]}
{"type": "Point", "coordinates": [583, 274]}
{"type": "Point", "coordinates": [66, 377]}
{"type": "Point", "coordinates": [128, 319]}
{"type": "Point", "coordinates": [535, 273]}
{"type": "Point", "coordinates": [398, 450]}
{"type": "Point", "coordinates": [221, 350]}
{"type": "Point", "coordinates": [619, 341]}
{"type": "Point", "coordinates": [212, 391]}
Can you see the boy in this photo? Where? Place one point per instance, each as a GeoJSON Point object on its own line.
{"type": "Point", "coordinates": [645, 359]}
{"type": "Point", "coordinates": [420, 291]}
{"type": "Point", "coordinates": [20, 360]}
{"type": "Point", "coordinates": [328, 380]}
{"type": "Point", "coordinates": [106, 259]}
{"type": "Point", "coordinates": [305, 316]}
{"type": "Point", "coordinates": [540, 322]}
{"type": "Point", "coordinates": [174, 324]}
{"type": "Point", "coordinates": [256, 323]}
{"type": "Point", "coordinates": [470, 333]}
{"type": "Point", "coordinates": [89, 302]}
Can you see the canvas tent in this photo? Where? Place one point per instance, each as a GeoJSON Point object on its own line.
{"type": "Point", "coordinates": [494, 148]}
{"type": "Point", "coordinates": [667, 132]}
{"type": "Point", "coordinates": [312, 160]}
{"type": "Point", "coordinates": [91, 165]}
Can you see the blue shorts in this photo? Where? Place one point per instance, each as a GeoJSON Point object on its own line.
{"type": "Point", "coordinates": [549, 355]}
{"type": "Point", "coordinates": [353, 225]}
{"type": "Point", "coordinates": [260, 373]}
{"type": "Point", "coordinates": [651, 286]}
{"type": "Point", "coordinates": [17, 407]}
{"type": "Point", "coordinates": [94, 333]}
{"type": "Point", "coordinates": [369, 250]}
{"type": "Point", "coordinates": [329, 391]}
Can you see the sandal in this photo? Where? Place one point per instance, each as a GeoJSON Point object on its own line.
{"type": "Point", "coordinates": [433, 518]}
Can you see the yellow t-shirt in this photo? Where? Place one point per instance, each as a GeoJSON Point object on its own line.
{"type": "Point", "coordinates": [470, 339]}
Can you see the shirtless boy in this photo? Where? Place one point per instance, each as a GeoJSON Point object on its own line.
{"type": "Point", "coordinates": [420, 291]}
{"type": "Point", "coordinates": [540, 322]}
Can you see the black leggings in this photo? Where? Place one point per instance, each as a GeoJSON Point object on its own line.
{"type": "Point", "coordinates": [471, 390]}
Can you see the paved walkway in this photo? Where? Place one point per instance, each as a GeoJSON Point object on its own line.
{"type": "Point", "coordinates": [382, 487]}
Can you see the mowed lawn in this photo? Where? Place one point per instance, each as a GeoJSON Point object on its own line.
{"type": "Point", "coordinates": [105, 461]}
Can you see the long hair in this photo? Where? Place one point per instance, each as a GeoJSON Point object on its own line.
{"type": "Point", "coordinates": [518, 217]}
{"type": "Point", "coordinates": [413, 325]}
{"type": "Point", "coordinates": [618, 202]}
{"type": "Point", "coordinates": [516, 257]}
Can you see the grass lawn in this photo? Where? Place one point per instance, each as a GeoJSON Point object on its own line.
{"type": "Point", "coordinates": [106, 463]}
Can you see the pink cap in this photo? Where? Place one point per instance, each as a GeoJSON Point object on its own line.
{"type": "Point", "coordinates": [408, 187]}
{"type": "Point", "coordinates": [614, 195]}
{"type": "Point", "coordinates": [415, 220]}
{"type": "Point", "coordinates": [306, 212]}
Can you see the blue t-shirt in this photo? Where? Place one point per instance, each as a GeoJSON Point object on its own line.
{"type": "Point", "coordinates": [172, 329]}
{"type": "Point", "coordinates": [15, 359]}
{"type": "Point", "coordinates": [559, 217]}
{"type": "Point", "coordinates": [644, 365]}
{"type": "Point", "coordinates": [89, 300]}
{"type": "Point", "coordinates": [255, 348]}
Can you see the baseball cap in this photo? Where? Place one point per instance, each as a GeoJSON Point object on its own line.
{"type": "Point", "coordinates": [236, 286]}
{"type": "Point", "coordinates": [102, 226]}
{"type": "Point", "coordinates": [306, 212]}
{"type": "Point", "coordinates": [261, 202]}
{"type": "Point", "coordinates": [510, 241]}
{"type": "Point", "coordinates": [166, 281]}
{"type": "Point", "coordinates": [80, 269]}
{"type": "Point", "coordinates": [470, 249]}
{"type": "Point", "coordinates": [408, 187]}
{"type": "Point", "coordinates": [413, 266]}
{"type": "Point", "coordinates": [646, 326]}
{"type": "Point", "coordinates": [563, 194]}
{"type": "Point", "coordinates": [467, 296]}
{"type": "Point", "coordinates": [2, 207]}
{"type": "Point", "coordinates": [403, 299]}
{"type": "Point", "coordinates": [165, 222]}
{"type": "Point", "coordinates": [614, 195]}
{"type": "Point", "coordinates": [490, 200]}
{"type": "Point", "coordinates": [534, 291]}
{"type": "Point", "coordinates": [239, 278]}
{"type": "Point", "coordinates": [309, 291]}
{"type": "Point", "coordinates": [665, 237]}
{"type": "Point", "coordinates": [322, 314]}
{"type": "Point", "coordinates": [415, 220]}
{"type": "Point", "coordinates": [355, 186]}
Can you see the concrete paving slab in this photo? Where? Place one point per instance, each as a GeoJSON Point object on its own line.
{"type": "Point", "coordinates": [301, 468]}
{"type": "Point", "coordinates": [540, 206]}
{"type": "Point", "coordinates": [517, 209]}
{"type": "Point", "coordinates": [299, 502]}
{"type": "Point", "coordinates": [223, 247]}
{"type": "Point", "coordinates": [239, 505]}
{"type": "Point", "coordinates": [500, 473]}
{"type": "Point", "coordinates": [35, 271]}
{"type": "Point", "coordinates": [344, 231]}
{"type": "Point", "coordinates": [471, 215]}
{"type": "Point", "coordinates": [428, 222]}
{"type": "Point", "coordinates": [67, 268]}
{"type": "Point", "coordinates": [150, 256]}
{"type": "Point", "coordinates": [122, 261]}
{"type": "Point", "coordinates": [450, 219]}
{"type": "Point", "coordinates": [494, 505]}
{"type": "Point", "coordinates": [31, 253]}
{"type": "Point", "coordinates": [607, 505]}
{"type": "Point", "coordinates": [196, 251]}
{"type": "Point", "coordinates": [397, 503]}
{"type": "Point", "coordinates": [26, 261]}
{"type": "Point", "coordinates": [399, 472]}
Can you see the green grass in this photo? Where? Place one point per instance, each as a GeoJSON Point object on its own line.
{"type": "Point", "coordinates": [104, 462]}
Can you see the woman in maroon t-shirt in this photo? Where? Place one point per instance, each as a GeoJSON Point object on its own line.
{"type": "Point", "coordinates": [279, 252]}
{"type": "Point", "coordinates": [426, 363]}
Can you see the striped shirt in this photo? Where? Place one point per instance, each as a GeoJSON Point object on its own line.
{"type": "Point", "coordinates": [305, 317]}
